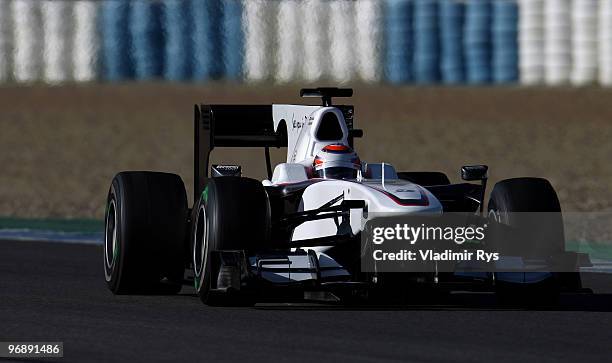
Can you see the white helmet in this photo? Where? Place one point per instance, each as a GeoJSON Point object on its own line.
{"type": "Point", "coordinates": [336, 161]}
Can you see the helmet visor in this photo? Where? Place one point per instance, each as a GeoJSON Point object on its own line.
{"type": "Point", "coordinates": [337, 173]}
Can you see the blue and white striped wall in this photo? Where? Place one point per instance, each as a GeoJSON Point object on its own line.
{"type": "Point", "coordinates": [474, 42]}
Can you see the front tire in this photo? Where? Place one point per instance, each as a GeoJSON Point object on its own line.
{"type": "Point", "coordinates": [145, 230]}
{"type": "Point", "coordinates": [233, 213]}
{"type": "Point", "coordinates": [513, 202]}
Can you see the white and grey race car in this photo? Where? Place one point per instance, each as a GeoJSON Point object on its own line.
{"type": "Point", "coordinates": [296, 234]}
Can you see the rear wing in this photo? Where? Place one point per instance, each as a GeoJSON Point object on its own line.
{"type": "Point", "coordinates": [231, 126]}
{"type": "Point", "coordinates": [251, 126]}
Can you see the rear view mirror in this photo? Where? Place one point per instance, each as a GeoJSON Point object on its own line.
{"type": "Point", "coordinates": [474, 172]}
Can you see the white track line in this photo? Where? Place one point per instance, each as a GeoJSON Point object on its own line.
{"type": "Point", "coordinates": [94, 238]}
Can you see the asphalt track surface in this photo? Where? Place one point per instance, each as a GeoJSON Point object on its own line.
{"type": "Point", "coordinates": [56, 292]}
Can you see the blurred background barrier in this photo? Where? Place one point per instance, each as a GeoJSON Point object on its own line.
{"type": "Point", "coordinates": [368, 22]}
{"type": "Point", "coordinates": [605, 42]}
{"type": "Point", "coordinates": [557, 41]}
{"type": "Point", "coordinates": [398, 41]}
{"type": "Point", "coordinates": [504, 34]}
{"type": "Point", "coordinates": [313, 39]}
{"type": "Point", "coordinates": [147, 37]}
{"type": "Point", "coordinates": [259, 39]}
{"type": "Point", "coordinates": [232, 39]}
{"type": "Point", "coordinates": [6, 41]}
{"type": "Point", "coordinates": [115, 41]}
{"type": "Point", "coordinates": [551, 42]}
{"type": "Point", "coordinates": [57, 48]}
{"type": "Point", "coordinates": [342, 41]}
{"type": "Point", "coordinates": [426, 41]}
{"type": "Point", "coordinates": [289, 32]}
{"type": "Point", "coordinates": [178, 48]}
{"type": "Point", "coordinates": [86, 45]}
{"type": "Point", "coordinates": [584, 42]}
{"type": "Point", "coordinates": [27, 40]}
{"type": "Point", "coordinates": [531, 41]}
{"type": "Point", "coordinates": [206, 17]}
{"type": "Point", "coordinates": [477, 41]}
{"type": "Point", "coordinates": [451, 41]}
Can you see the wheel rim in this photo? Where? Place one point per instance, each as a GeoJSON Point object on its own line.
{"type": "Point", "coordinates": [111, 245]}
{"type": "Point", "coordinates": [200, 247]}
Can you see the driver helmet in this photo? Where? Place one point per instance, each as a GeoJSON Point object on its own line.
{"type": "Point", "coordinates": [336, 161]}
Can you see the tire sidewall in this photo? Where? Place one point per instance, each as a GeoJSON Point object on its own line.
{"type": "Point", "coordinates": [237, 214]}
{"type": "Point", "coordinates": [113, 274]}
{"type": "Point", "coordinates": [209, 204]}
{"type": "Point", "coordinates": [202, 274]}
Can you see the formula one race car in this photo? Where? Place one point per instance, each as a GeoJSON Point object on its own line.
{"type": "Point", "coordinates": [298, 233]}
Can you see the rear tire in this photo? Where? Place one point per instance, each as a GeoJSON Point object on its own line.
{"type": "Point", "coordinates": [232, 213]}
{"type": "Point", "coordinates": [145, 230]}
